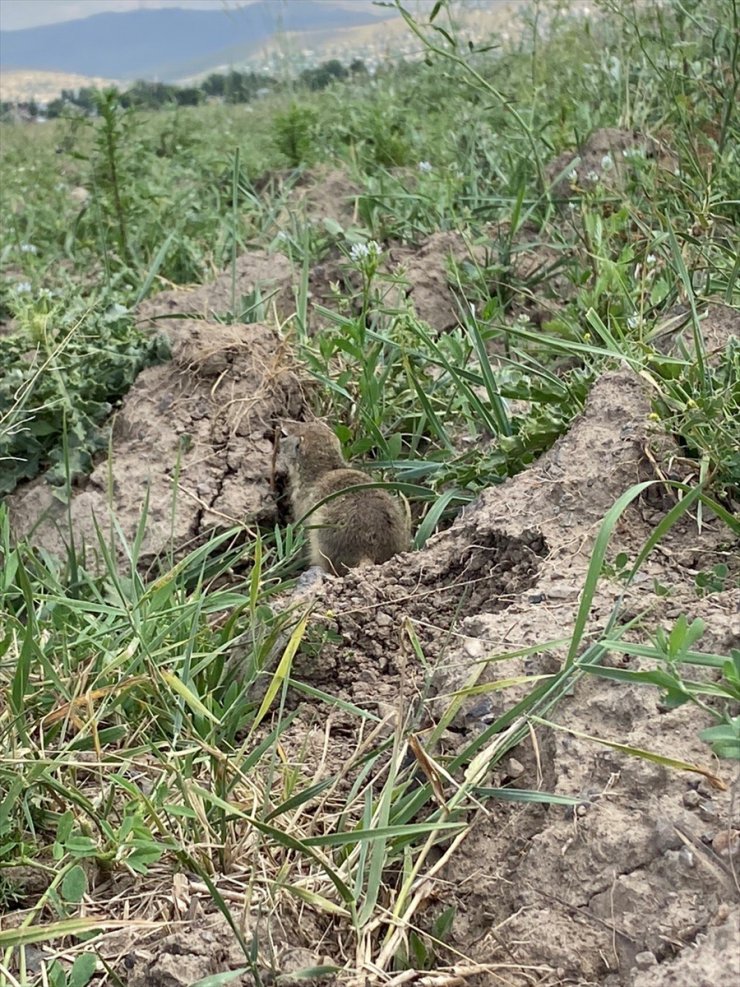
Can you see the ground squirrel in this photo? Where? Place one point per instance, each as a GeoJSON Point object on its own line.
{"type": "Point", "coordinates": [362, 526]}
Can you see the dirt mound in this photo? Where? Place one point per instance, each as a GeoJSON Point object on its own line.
{"type": "Point", "coordinates": [631, 876]}
{"type": "Point", "coordinates": [604, 157]}
{"type": "Point", "coordinates": [321, 195]}
{"type": "Point", "coordinates": [719, 325]}
{"type": "Point", "coordinates": [186, 957]}
{"type": "Point", "coordinates": [426, 271]}
{"type": "Point", "coordinates": [259, 284]}
{"type": "Point", "coordinates": [194, 436]}
{"type": "Point", "coordinates": [623, 886]}
{"type": "Point", "coordinates": [523, 269]}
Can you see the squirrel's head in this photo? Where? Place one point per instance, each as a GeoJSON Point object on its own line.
{"type": "Point", "coordinates": [310, 448]}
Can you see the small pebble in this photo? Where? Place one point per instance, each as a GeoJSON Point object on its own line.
{"type": "Point", "coordinates": [691, 799]}
{"type": "Point", "coordinates": [686, 857]}
{"type": "Point", "coordinates": [708, 811]}
{"type": "Point", "coordinates": [558, 593]}
{"type": "Point", "coordinates": [514, 768]}
{"type": "Point", "coordinates": [665, 836]}
{"type": "Point", "coordinates": [474, 648]}
{"type": "Point", "coordinates": [644, 960]}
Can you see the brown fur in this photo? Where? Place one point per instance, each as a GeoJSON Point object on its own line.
{"type": "Point", "coordinates": [363, 526]}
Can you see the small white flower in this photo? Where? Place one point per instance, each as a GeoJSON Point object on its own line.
{"type": "Point", "coordinates": [425, 167]}
{"type": "Point", "coordinates": [631, 153]}
{"type": "Point", "coordinates": [651, 260]}
{"type": "Point", "coordinates": [607, 162]}
{"type": "Point", "coordinates": [633, 322]}
{"type": "Point", "coordinates": [592, 176]}
{"type": "Point", "coordinates": [282, 235]}
{"type": "Point", "coordinates": [572, 206]}
{"type": "Point", "coordinates": [361, 251]}
{"type": "Point", "coordinates": [29, 248]}
{"type": "Point", "coordinates": [573, 177]}
{"type": "Point", "coordinates": [22, 287]}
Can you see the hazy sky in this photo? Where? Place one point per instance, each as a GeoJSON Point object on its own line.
{"type": "Point", "coordinates": [30, 13]}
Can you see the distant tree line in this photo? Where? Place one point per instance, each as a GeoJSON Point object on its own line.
{"type": "Point", "coordinates": [230, 87]}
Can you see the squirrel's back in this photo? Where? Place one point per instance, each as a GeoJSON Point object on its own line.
{"type": "Point", "coordinates": [351, 529]}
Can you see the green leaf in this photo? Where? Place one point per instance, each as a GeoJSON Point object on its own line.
{"type": "Point", "coordinates": [724, 738]}
{"type": "Point", "coordinates": [524, 795]}
{"type": "Point", "coordinates": [436, 9]}
{"type": "Point", "coordinates": [13, 938]}
{"type": "Point", "coordinates": [82, 970]}
{"type": "Point", "coordinates": [190, 698]}
{"type": "Point", "coordinates": [74, 884]}
{"type": "Point", "coordinates": [282, 671]}
{"type": "Point", "coordinates": [443, 924]}
{"type": "Point", "coordinates": [668, 762]}
{"type": "Point", "coordinates": [446, 35]}
{"type": "Point", "coordinates": [332, 226]}
{"type": "Point", "coordinates": [219, 979]}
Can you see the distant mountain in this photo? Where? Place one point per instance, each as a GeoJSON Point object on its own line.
{"type": "Point", "coordinates": [164, 43]}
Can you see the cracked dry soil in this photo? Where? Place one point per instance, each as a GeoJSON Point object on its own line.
{"type": "Point", "coordinates": [638, 887]}
{"type": "Point", "coordinates": [200, 429]}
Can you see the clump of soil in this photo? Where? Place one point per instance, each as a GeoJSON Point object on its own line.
{"type": "Point", "coordinates": [193, 438]}
{"type": "Point", "coordinates": [323, 195]}
{"type": "Point", "coordinates": [719, 326]}
{"type": "Point", "coordinates": [183, 958]}
{"type": "Point", "coordinates": [604, 157]}
{"type": "Point", "coordinates": [426, 272]}
{"type": "Point", "coordinates": [231, 293]}
{"type": "Point", "coordinates": [433, 590]}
